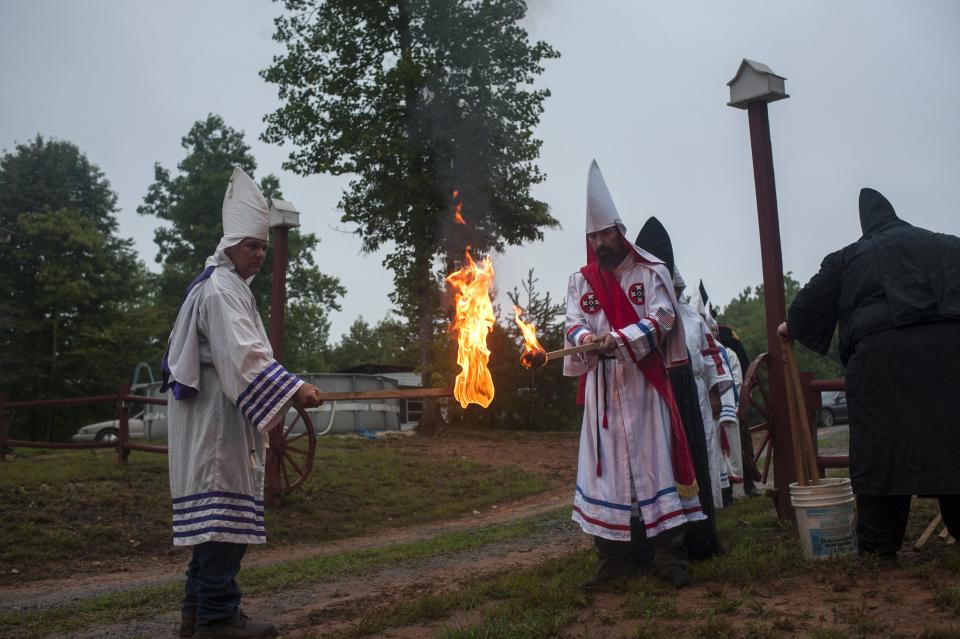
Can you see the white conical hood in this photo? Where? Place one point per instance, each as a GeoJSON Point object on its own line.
{"type": "Point", "coordinates": [678, 281]}
{"type": "Point", "coordinates": [697, 303]}
{"type": "Point", "coordinates": [245, 210]}
{"type": "Point", "coordinates": [601, 211]}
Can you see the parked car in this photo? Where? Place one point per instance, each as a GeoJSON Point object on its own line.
{"type": "Point", "coordinates": [151, 425]}
{"type": "Point", "coordinates": [833, 408]}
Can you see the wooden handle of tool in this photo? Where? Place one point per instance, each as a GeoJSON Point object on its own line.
{"type": "Point", "coordinates": [583, 348]}
{"type": "Point", "coordinates": [805, 457]}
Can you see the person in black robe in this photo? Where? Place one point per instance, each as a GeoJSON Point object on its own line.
{"type": "Point", "coordinates": [896, 295]}
{"type": "Point", "coordinates": [701, 537]}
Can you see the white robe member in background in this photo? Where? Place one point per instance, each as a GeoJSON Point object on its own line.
{"type": "Point", "coordinates": [729, 422]}
{"type": "Point", "coordinates": [226, 391]}
{"type": "Point", "coordinates": [627, 444]}
{"type": "Point", "coordinates": [712, 379]}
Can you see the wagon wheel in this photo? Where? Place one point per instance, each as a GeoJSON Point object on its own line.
{"type": "Point", "coordinates": [293, 447]}
{"type": "Point", "coordinates": [755, 395]}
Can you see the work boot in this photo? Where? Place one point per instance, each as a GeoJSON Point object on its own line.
{"type": "Point", "coordinates": [727, 495]}
{"type": "Point", "coordinates": [670, 557]}
{"type": "Point", "coordinates": [188, 621]}
{"type": "Point", "coordinates": [641, 546]}
{"type": "Point", "coordinates": [616, 563]}
{"type": "Point", "coordinates": [609, 573]}
{"type": "Point", "coordinates": [674, 574]}
{"type": "Point", "coordinates": [239, 626]}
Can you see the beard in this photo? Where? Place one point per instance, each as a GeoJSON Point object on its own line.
{"type": "Point", "coordinates": [608, 258]}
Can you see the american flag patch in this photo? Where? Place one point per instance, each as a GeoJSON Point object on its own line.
{"type": "Point", "coordinates": [665, 318]}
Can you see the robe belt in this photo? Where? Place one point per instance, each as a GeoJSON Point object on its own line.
{"type": "Point", "coordinates": [603, 371]}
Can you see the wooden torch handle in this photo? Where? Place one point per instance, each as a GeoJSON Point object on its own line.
{"type": "Point", "coordinates": [583, 348]}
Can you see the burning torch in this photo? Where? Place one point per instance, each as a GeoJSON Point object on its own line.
{"type": "Point", "coordinates": [534, 355]}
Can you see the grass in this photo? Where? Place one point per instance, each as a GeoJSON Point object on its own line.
{"type": "Point", "coordinates": [66, 506]}
{"type": "Point", "coordinates": [146, 602]}
{"type": "Point", "coordinates": [763, 557]}
{"type": "Point", "coordinates": [542, 601]}
{"type": "Point", "coordinates": [531, 603]}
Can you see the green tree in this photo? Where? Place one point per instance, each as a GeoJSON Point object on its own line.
{"type": "Point", "coordinates": [388, 342]}
{"type": "Point", "coordinates": [747, 314]}
{"type": "Point", "coordinates": [547, 398]}
{"type": "Point", "coordinates": [191, 202]}
{"type": "Point", "coordinates": [75, 309]}
{"type": "Point", "coordinates": [416, 99]}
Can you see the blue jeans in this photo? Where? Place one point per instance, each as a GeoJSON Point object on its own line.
{"type": "Point", "coordinates": [212, 590]}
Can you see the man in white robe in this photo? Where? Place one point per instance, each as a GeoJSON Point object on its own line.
{"type": "Point", "coordinates": [728, 426]}
{"type": "Point", "coordinates": [729, 422]}
{"type": "Point", "coordinates": [712, 379]}
{"type": "Point", "coordinates": [635, 477]}
{"type": "Point", "coordinates": [701, 539]}
{"type": "Point", "coordinates": [226, 391]}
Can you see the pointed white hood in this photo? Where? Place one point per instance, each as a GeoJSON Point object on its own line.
{"type": "Point", "coordinates": [678, 281]}
{"type": "Point", "coordinates": [245, 211]}
{"type": "Point", "coordinates": [601, 211]}
{"type": "Point", "coordinates": [704, 312]}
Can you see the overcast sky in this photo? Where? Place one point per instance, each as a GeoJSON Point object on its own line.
{"type": "Point", "coordinates": [640, 86]}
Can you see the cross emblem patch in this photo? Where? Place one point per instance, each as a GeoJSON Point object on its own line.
{"type": "Point", "coordinates": [589, 303]}
{"type": "Point", "coordinates": [636, 294]}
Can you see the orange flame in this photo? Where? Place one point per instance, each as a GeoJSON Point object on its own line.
{"type": "Point", "coordinates": [473, 322]}
{"type": "Point", "coordinates": [456, 213]}
{"type": "Point", "coordinates": [533, 353]}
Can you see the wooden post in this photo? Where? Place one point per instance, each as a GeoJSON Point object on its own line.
{"type": "Point", "coordinates": [278, 301]}
{"type": "Point", "coordinates": [278, 290]}
{"type": "Point", "coordinates": [774, 301]}
{"type": "Point", "coordinates": [123, 413]}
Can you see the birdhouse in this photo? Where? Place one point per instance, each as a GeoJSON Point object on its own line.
{"type": "Point", "coordinates": [755, 82]}
{"type": "Point", "coordinates": [283, 214]}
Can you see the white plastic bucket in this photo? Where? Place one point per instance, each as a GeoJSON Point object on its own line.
{"type": "Point", "coordinates": [826, 517]}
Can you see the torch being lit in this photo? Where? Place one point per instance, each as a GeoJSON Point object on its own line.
{"type": "Point", "coordinates": [533, 354]}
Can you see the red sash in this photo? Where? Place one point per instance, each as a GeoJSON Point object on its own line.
{"type": "Point", "coordinates": [621, 313]}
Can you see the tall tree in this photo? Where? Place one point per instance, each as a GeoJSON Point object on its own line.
{"type": "Point", "coordinates": [191, 203]}
{"type": "Point", "coordinates": [416, 99]}
{"type": "Point", "coordinates": [75, 313]}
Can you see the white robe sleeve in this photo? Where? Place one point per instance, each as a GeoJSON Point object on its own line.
{"type": "Point", "coordinates": [576, 329]}
{"type": "Point", "coordinates": [636, 341]}
{"type": "Point", "coordinates": [735, 370]}
{"type": "Point", "coordinates": [249, 376]}
{"type": "Point", "coordinates": [728, 408]}
{"type": "Point", "coordinates": [715, 371]}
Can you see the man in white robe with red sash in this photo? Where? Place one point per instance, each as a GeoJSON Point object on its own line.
{"type": "Point", "coordinates": [635, 475]}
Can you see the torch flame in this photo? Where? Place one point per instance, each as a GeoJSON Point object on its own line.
{"type": "Point", "coordinates": [473, 322]}
{"type": "Point", "coordinates": [531, 345]}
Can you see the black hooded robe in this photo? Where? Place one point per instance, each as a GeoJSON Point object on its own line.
{"type": "Point", "coordinates": [701, 538]}
{"type": "Point", "coordinates": [896, 295]}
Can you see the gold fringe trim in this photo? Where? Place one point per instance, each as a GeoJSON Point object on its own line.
{"type": "Point", "coordinates": [688, 491]}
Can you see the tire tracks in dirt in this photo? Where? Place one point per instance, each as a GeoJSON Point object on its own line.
{"type": "Point", "coordinates": [339, 604]}
{"type": "Point", "coordinates": [57, 592]}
